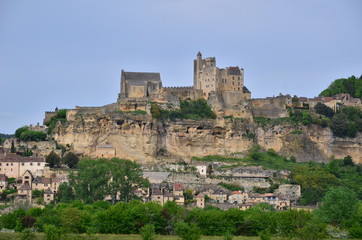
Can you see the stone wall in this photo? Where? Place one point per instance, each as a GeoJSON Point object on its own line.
{"type": "Point", "coordinates": [274, 107]}
{"type": "Point", "coordinates": [184, 93]}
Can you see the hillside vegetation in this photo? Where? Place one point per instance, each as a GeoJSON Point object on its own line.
{"type": "Point", "coordinates": [351, 85]}
{"type": "Point", "coordinates": [314, 178]}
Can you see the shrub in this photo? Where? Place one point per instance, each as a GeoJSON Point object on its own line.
{"type": "Point", "coordinates": [27, 234]}
{"type": "Point", "coordinates": [52, 232]}
{"type": "Point", "coordinates": [187, 232]}
{"type": "Point", "coordinates": [148, 232]}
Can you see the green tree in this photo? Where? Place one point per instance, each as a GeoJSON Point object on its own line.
{"type": "Point", "coordinates": [340, 205]}
{"type": "Point", "coordinates": [19, 131]}
{"type": "Point", "coordinates": [339, 125]}
{"type": "Point", "coordinates": [33, 136]}
{"type": "Point", "coordinates": [347, 161]}
{"type": "Point", "coordinates": [99, 178]}
{"type": "Point", "coordinates": [13, 149]}
{"type": "Point", "coordinates": [53, 159]}
{"type": "Point", "coordinates": [350, 85]}
{"type": "Point", "coordinates": [314, 181]}
{"type": "Point", "coordinates": [71, 160]}
{"type": "Point", "coordinates": [324, 110]}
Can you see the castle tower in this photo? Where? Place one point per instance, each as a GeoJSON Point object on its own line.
{"type": "Point", "coordinates": [197, 69]}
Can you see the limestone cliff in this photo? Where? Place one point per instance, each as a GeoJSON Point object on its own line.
{"type": "Point", "coordinates": [144, 139]}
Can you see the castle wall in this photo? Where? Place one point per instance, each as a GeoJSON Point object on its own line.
{"type": "Point", "coordinates": [184, 93]}
{"type": "Point", "coordinates": [269, 107]}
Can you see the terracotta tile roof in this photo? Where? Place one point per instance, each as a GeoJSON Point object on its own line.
{"type": "Point", "coordinates": [200, 195]}
{"type": "Point", "coordinates": [236, 192]}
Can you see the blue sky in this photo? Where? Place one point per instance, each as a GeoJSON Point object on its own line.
{"type": "Point", "coordinates": [70, 53]}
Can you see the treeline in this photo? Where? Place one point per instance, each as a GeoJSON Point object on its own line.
{"type": "Point", "coordinates": [351, 85]}
{"type": "Point", "coordinates": [170, 219]}
{"type": "Point", "coordinates": [198, 109]}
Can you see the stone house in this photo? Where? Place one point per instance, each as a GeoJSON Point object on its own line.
{"type": "Point", "coordinates": [217, 194]}
{"type": "Point", "coordinates": [246, 206]}
{"type": "Point", "coordinates": [283, 203]}
{"type": "Point", "coordinates": [178, 194]}
{"type": "Point", "coordinates": [41, 183]}
{"type": "Point", "coordinates": [14, 166]}
{"type": "Point", "coordinates": [200, 200]}
{"type": "Point", "coordinates": [201, 168]}
{"type": "Point", "coordinates": [48, 196]}
{"type": "Point", "coordinates": [238, 197]}
{"type": "Point", "coordinates": [270, 198]}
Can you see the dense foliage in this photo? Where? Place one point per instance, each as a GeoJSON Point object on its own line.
{"type": "Point", "coordinates": [149, 218]}
{"type": "Point", "coordinates": [33, 136]}
{"type": "Point", "coordinates": [189, 109]}
{"type": "Point", "coordinates": [97, 179]}
{"type": "Point", "coordinates": [351, 85]}
{"type": "Point", "coordinates": [61, 116]}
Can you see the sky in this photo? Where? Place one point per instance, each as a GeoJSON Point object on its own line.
{"type": "Point", "coordinates": [70, 53]}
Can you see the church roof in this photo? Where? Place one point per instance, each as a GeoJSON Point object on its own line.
{"type": "Point", "coordinates": [141, 76]}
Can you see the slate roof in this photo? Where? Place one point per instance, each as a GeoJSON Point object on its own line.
{"type": "Point", "coordinates": [234, 71]}
{"type": "Point", "coordinates": [25, 187]}
{"type": "Point", "coordinates": [246, 90]}
{"type": "Point", "coordinates": [48, 191]}
{"type": "Point", "coordinates": [12, 157]}
{"type": "Point", "coordinates": [141, 76]}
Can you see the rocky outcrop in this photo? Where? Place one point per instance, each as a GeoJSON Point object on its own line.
{"type": "Point", "coordinates": [144, 139]}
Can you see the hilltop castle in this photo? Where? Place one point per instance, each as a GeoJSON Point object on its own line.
{"type": "Point", "coordinates": [222, 87]}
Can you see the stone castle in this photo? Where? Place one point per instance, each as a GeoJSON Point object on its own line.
{"type": "Point", "coordinates": [117, 130]}
{"type": "Point", "coordinates": [223, 88]}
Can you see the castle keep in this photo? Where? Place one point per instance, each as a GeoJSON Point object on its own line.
{"type": "Point", "coordinates": [209, 78]}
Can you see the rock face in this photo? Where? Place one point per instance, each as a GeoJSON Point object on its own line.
{"type": "Point", "coordinates": [144, 139]}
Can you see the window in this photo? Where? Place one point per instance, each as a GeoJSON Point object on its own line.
{"type": "Point", "coordinates": [31, 164]}
{"type": "Point", "coordinates": [233, 77]}
{"type": "Point", "coordinates": [22, 164]}
{"type": "Point", "coordinates": [11, 164]}
{"type": "Point", "coordinates": [38, 163]}
{"type": "Point", "coordinates": [7, 164]}
{"type": "Point", "coordinates": [233, 83]}
{"type": "Point", "coordinates": [238, 78]}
